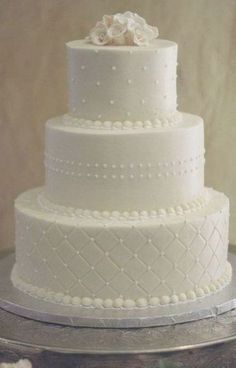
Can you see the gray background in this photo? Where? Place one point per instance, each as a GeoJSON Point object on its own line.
{"type": "Point", "coordinates": [33, 81]}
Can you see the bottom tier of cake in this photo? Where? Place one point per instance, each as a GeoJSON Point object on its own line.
{"type": "Point", "coordinates": [128, 260]}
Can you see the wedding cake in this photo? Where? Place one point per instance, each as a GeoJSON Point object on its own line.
{"type": "Point", "coordinates": [124, 220]}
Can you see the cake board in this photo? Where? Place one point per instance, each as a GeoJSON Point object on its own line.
{"type": "Point", "coordinates": [15, 301]}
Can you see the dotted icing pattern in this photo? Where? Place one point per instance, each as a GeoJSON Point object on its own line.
{"type": "Point", "coordinates": [121, 303]}
{"type": "Point", "coordinates": [189, 207]}
{"type": "Point", "coordinates": [162, 121]}
{"type": "Point", "coordinates": [131, 171]}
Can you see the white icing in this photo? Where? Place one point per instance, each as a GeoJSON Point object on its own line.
{"type": "Point", "coordinates": [118, 263]}
{"type": "Point", "coordinates": [143, 67]}
{"type": "Point", "coordinates": [78, 212]}
{"type": "Point", "coordinates": [120, 303]}
{"type": "Point", "coordinates": [164, 120]}
{"type": "Point", "coordinates": [122, 29]}
{"type": "Point", "coordinates": [124, 220]}
{"type": "Point", "coordinates": [82, 161]}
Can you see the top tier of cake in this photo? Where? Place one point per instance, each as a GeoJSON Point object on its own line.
{"type": "Point", "coordinates": [119, 83]}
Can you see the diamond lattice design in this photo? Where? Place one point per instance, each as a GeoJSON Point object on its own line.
{"type": "Point", "coordinates": [109, 261]}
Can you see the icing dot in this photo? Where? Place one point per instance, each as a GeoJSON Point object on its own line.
{"type": "Point", "coordinates": [113, 67]}
{"type": "Point", "coordinates": [156, 81]}
{"type": "Point", "coordinates": [182, 297]}
{"type": "Point", "coordinates": [138, 124]}
{"type": "Point", "coordinates": [174, 299]}
{"type": "Point", "coordinates": [67, 299]}
{"type": "Point", "coordinates": [112, 102]}
{"type": "Point", "coordinates": [129, 303]}
{"type": "Point", "coordinates": [99, 116]}
{"type": "Point", "coordinates": [105, 214]}
{"type": "Point", "coordinates": [97, 83]}
{"type": "Point", "coordinates": [86, 301]}
{"type": "Point", "coordinates": [153, 213]}
{"type": "Point", "coordinates": [141, 302]}
{"type": "Point", "coordinates": [107, 303]}
{"type": "Point", "coordinates": [154, 301]}
{"type": "Point", "coordinates": [128, 124]}
{"type": "Point", "coordinates": [191, 295]}
{"type": "Point", "coordinates": [129, 81]}
{"type": "Point", "coordinates": [117, 124]}
{"type": "Point", "coordinates": [82, 67]}
{"type": "Point", "coordinates": [200, 292]}
{"type": "Point", "coordinates": [143, 101]}
{"type": "Point", "coordinates": [165, 299]}
{"type": "Point", "coordinates": [145, 67]}
{"type": "Point", "coordinates": [107, 124]}
{"type": "Point", "coordinates": [76, 300]}
{"type": "Point", "coordinates": [98, 302]}
{"type": "Point", "coordinates": [83, 101]}
{"type": "Point", "coordinates": [118, 303]}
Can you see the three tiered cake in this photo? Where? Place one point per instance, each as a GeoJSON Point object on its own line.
{"type": "Point", "coordinates": [124, 219]}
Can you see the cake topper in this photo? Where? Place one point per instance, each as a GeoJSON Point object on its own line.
{"type": "Point", "coordinates": [122, 29]}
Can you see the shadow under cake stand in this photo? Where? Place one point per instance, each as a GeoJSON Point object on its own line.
{"type": "Point", "coordinates": [182, 345]}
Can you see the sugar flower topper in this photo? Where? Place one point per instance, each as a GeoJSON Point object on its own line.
{"type": "Point", "coordinates": [122, 29]}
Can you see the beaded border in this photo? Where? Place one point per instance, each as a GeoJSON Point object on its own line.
{"type": "Point", "coordinates": [182, 209]}
{"type": "Point", "coordinates": [120, 303]}
{"type": "Point", "coordinates": [162, 121]}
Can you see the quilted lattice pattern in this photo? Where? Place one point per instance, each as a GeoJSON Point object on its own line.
{"type": "Point", "coordinates": [120, 259]}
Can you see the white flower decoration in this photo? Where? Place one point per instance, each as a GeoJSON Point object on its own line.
{"type": "Point", "coordinates": [122, 29]}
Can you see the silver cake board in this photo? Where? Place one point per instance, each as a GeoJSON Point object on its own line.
{"type": "Point", "coordinates": [17, 302]}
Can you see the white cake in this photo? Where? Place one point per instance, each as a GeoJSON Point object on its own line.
{"type": "Point", "coordinates": [124, 219]}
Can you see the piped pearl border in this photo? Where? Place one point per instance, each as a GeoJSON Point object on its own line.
{"type": "Point", "coordinates": [182, 209]}
{"type": "Point", "coordinates": [161, 121]}
{"type": "Point", "coordinates": [120, 303]}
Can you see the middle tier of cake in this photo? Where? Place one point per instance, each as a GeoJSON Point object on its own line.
{"type": "Point", "coordinates": [122, 168]}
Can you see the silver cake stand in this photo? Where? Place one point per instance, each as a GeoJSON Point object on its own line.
{"type": "Point", "coordinates": [197, 344]}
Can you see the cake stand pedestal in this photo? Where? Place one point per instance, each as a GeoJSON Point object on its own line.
{"type": "Point", "coordinates": [206, 343]}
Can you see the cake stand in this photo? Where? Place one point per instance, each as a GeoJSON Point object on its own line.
{"type": "Point", "coordinates": [207, 343]}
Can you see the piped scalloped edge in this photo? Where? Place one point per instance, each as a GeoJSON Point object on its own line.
{"type": "Point", "coordinates": [182, 209]}
{"type": "Point", "coordinates": [120, 303]}
{"type": "Point", "coordinates": [162, 121]}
